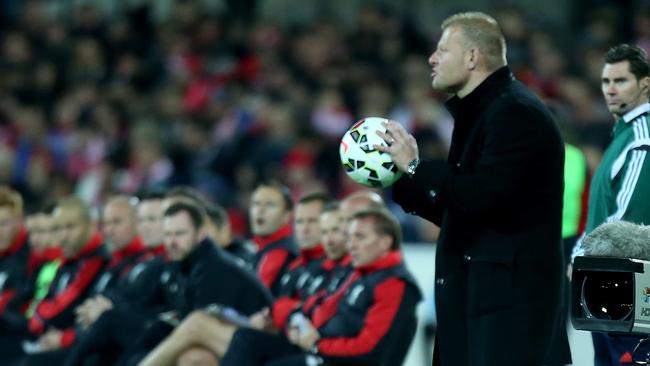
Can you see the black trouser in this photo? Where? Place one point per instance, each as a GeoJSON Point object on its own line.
{"type": "Point", "coordinates": [46, 358]}
{"type": "Point", "coordinates": [109, 337]}
{"type": "Point", "coordinates": [250, 347]}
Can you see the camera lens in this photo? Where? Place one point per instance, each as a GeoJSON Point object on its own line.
{"type": "Point", "coordinates": [608, 295]}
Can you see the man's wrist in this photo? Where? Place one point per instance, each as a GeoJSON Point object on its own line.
{"type": "Point", "coordinates": [412, 165]}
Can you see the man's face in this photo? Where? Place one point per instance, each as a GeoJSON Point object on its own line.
{"type": "Point", "coordinates": [333, 236]}
{"type": "Point", "coordinates": [449, 72]}
{"type": "Point", "coordinates": [180, 235]}
{"type": "Point", "coordinates": [9, 225]}
{"type": "Point", "coordinates": [622, 91]}
{"type": "Point", "coordinates": [150, 222]}
{"type": "Point", "coordinates": [49, 231]}
{"type": "Point", "coordinates": [267, 211]}
{"type": "Point", "coordinates": [306, 224]}
{"type": "Point", "coordinates": [35, 225]}
{"type": "Point", "coordinates": [364, 244]}
{"type": "Point", "coordinates": [73, 229]}
{"type": "Point", "coordinates": [118, 224]}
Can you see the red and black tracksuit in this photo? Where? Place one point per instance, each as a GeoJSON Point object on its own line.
{"type": "Point", "coordinates": [72, 284]}
{"type": "Point", "coordinates": [294, 284]}
{"type": "Point", "coordinates": [13, 268]}
{"type": "Point", "coordinates": [126, 281]}
{"type": "Point", "coordinates": [274, 253]}
{"type": "Point", "coordinates": [13, 315]}
{"type": "Point", "coordinates": [370, 320]}
{"type": "Point", "coordinates": [333, 273]}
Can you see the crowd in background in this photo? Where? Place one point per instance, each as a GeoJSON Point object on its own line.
{"type": "Point", "coordinates": [94, 102]}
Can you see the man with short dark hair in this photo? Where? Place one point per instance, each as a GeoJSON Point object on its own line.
{"type": "Point", "coordinates": [200, 277]}
{"type": "Point", "coordinates": [220, 230]}
{"type": "Point", "coordinates": [270, 214]}
{"type": "Point", "coordinates": [620, 186]}
{"type": "Point", "coordinates": [149, 214]}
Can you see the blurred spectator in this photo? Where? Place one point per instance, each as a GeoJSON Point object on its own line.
{"type": "Point", "coordinates": [232, 92]}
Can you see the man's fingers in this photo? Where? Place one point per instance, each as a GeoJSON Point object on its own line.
{"type": "Point", "coordinates": [387, 137]}
{"type": "Point", "coordinates": [395, 130]}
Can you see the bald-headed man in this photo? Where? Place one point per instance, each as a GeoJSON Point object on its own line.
{"type": "Point", "coordinates": [84, 257]}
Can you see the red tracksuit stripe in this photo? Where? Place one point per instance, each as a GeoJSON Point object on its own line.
{"type": "Point", "coordinates": [271, 265]}
{"type": "Point", "coordinates": [48, 309]}
{"type": "Point", "coordinates": [388, 297]}
{"type": "Point", "coordinates": [282, 308]}
{"type": "Point", "coordinates": [5, 297]}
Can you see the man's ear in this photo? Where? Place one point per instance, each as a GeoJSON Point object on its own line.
{"type": "Point", "coordinates": [645, 84]}
{"type": "Point", "coordinates": [472, 58]}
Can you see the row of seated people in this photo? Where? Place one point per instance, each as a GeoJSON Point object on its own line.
{"type": "Point", "coordinates": [162, 282]}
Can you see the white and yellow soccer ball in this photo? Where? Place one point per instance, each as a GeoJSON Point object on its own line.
{"type": "Point", "coordinates": [361, 161]}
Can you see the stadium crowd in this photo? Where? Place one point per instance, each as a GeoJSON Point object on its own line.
{"type": "Point", "coordinates": [96, 99]}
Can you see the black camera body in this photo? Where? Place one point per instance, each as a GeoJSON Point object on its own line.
{"type": "Point", "coordinates": [611, 295]}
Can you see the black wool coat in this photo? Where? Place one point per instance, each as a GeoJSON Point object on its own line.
{"type": "Point", "coordinates": [498, 201]}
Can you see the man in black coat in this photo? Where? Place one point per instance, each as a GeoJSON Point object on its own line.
{"type": "Point", "coordinates": [498, 201]}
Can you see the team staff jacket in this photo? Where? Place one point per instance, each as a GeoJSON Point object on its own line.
{"type": "Point", "coordinates": [41, 269]}
{"type": "Point", "coordinates": [207, 276]}
{"type": "Point", "coordinates": [620, 188]}
{"type": "Point", "coordinates": [13, 268]}
{"type": "Point", "coordinates": [333, 273]}
{"type": "Point", "coordinates": [294, 284]}
{"type": "Point", "coordinates": [274, 253]}
{"type": "Point", "coordinates": [370, 316]}
{"type": "Point", "coordinates": [243, 250]}
{"type": "Point", "coordinates": [126, 281]}
{"type": "Point", "coordinates": [72, 285]}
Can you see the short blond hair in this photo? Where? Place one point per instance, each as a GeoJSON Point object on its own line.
{"type": "Point", "coordinates": [482, 31]}
{"type": "Point", "coordinates": [11, 199]}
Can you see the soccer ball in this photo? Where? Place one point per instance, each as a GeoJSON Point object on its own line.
{"type": "Point", "coordinates": [361, 161]}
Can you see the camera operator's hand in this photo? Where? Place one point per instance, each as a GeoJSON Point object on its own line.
{"type": "Point", "coordinates": [401, 145]}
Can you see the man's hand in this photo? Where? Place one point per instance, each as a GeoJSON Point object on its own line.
{"type": "Point", "coordinates": [304, 335]}
{"type": "Point", "coordinates": [262, 320]}
{"type": "Point", "coordinates": [90, 310]}
{"type": "Point", "coordinates": [50, 340]}
{"type": "Point", "coordinates": [402, 146]}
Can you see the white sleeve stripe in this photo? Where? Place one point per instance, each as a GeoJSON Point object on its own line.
{"type": "Point", "coordinates": [634, 172]}
{"type": "Point", "coordinates": [629, 183]}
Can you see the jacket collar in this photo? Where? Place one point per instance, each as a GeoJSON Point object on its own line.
{"type": "Point", "coordinates": [330, 264]}
{"type": "Point", "coordinates": [158, 250]}
{"type": "Point", "coordinates": [392, 259]}
{"type": "Point", "coordinates": [282, 233]}
{"type": "Point", "coordinates": [312, 253]}
{"type": "Point", "coordinates": [308, 255]}
{"type": "Point", "coordinates": [19, 240]}
{"type": "Point", "coordinates": [92, 244]}
{"type": "Point", "coordinates": [197, 254]}
{"type": "Point", "coordinates": [136, 246]}
{"type": "Point", "coordinates": [639, 110]}
{"type": "Point", "coordinates": [474, 102]}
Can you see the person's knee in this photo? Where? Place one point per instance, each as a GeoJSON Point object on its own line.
{"type": "Point", "coordinates": [194, 325]}
{"type": "Point", "coordinates": [197, 356]}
